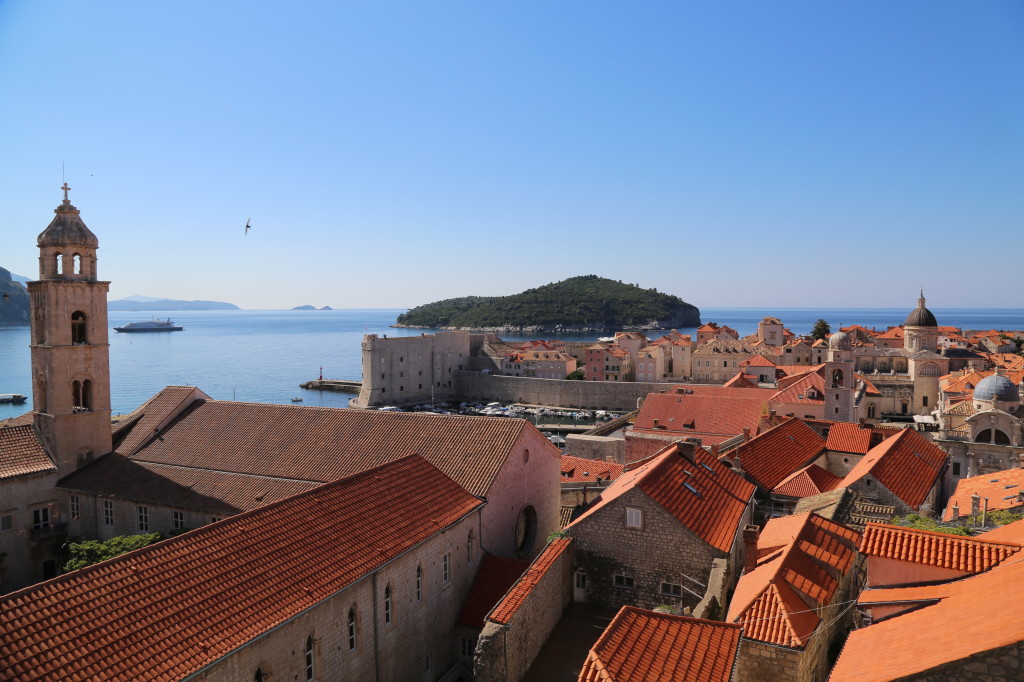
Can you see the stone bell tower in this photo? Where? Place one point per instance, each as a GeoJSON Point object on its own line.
{"type": "Point", "coordinates": [70, 350]}
{"type": "Point", "coordinates": [840, 382]}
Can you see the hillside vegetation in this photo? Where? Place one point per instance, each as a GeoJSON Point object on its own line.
{"type": "Point", "coordinates": [587, 303]}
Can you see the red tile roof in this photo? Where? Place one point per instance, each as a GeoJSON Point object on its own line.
{"type": "Point", "coordinates": [694, 414]}
{"type": "Point", "coordinates": [579, 470]}
{"type": "Point", "coordinates": [645, 646]}
{"type": "Point", "coordinates": [503, 612]}
{"type": "Point", "coordinates": [972, 615]}
{"type": "Point", "coordinates": [758, 361]}
{"type": "Point", "coordinates": [773, 456]}
{"type": "Point", "coordinates": [22, 452]}
{"type": "Point", "coordinates": [804, 389]}
{"type": "Point", "coordinates": [907, 463]}
{"type": "Point", "coordinates": [801, 554]}
{"type": "Point", "coordinates": [493, 579]}
{"type": "Point", "coordinates": [145, 421]}
{"type": "Point", "coordinates": [1003, 490]}
{"type": "Point", "coordinates": [149, 614]}
{"type": "Point", "coordinates": [703, 494]}
{"type": "Point", "coordinates": [955, 552]}
{"type": "Point", "coordinates": [809, 481]}
{"type": "Point", "coordinates": [855, 438]}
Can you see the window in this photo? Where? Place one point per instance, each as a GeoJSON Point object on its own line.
{"type": "Point", "coordinates": [624, 581]}
{"type": "Point", "coordinates": [634, 517]}
{"type": "Point", "coordinates": [956, 468]}
{"type": "Point", "coordinates": [258, 675]}
{"type": "Point", "coordinates": [41, 517]}
{"type": "Point", "coordinates": [466, 647]}
{"type": "Point", "coordinates": [924, 401]}
{"type": "Point", "coordinates": [214, 519]}
{"type": "Point", "coordinates": [419, 583]}
{"type": "Point", "coordinates": [446, 568]}
{"type": "Point", "coordinates": [387, 604]}
{"type": "Point", "coordinates": [526, 531]}
{"type": "Point", "coordinates": [352, 629]}
{"type": "Point", "coordinates": [6, 522]}
{"type": "Point", "coordinates": [672, 590]}
{"type": "Point", "coordinates": [78, 327]}
{"type": "Point", "coordinates": [143, 518]}
{"type": "Point", "coordinates": [177, 520]}
{"type": "Point", "coordinates": [308, 650]}
{"type": "Point", "coordinates": [75, 512]}
{"type": "Point", "coordinates": [108, 513]}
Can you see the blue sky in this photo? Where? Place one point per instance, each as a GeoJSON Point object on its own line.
{"type": "Point", "coordinates": [791, 154]}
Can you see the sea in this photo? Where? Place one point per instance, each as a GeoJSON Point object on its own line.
{"type": "Point", "coordinates": [263, 355]}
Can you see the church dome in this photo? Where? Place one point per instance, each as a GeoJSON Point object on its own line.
{"type": "Point", "coordinates": [839, 341]}
{"type": "Point", "coordinates": [67, 228]}
{"type": "Point", "coordinates": [921, 316]}
{"type": "Point", "coordinates": [996, 387]}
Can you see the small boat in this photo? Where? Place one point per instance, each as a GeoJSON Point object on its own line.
{"type": "Point", "coordinates": [12, 398]}
{"type": "Point", "coordinates": [296, 400]}
{"type": "Point", "coordinates": [150, 326]}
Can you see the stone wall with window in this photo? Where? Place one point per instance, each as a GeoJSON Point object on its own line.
{"type": "Point", "coordinates": [101, 517]}
{"type": "Point", "coordinates": [28, 553]}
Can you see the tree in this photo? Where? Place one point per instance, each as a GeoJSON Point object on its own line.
{"type": "Point", "coordinates": [88, 552]}
{"type": "Point", "coordinates": [821, 329]}
{"type": "Point", "coordinates": [576, 375]}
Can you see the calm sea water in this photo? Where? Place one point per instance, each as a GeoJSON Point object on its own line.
{"type": "Point", "coordinates": [263, 355]}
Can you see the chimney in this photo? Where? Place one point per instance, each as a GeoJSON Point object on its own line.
{"type": "Point", "coordinates": [686, 451]}
{"type": "Point", "coordinates": [956, 512]}
{"type": "Point", "coordinates": [714, 450]}
{"type": "Point", "coordinates": [975, 504]}
{"type": "Point", "coordinates": [750, 534]}
{"type": "Point", "coordinates": [771, 413]}
{"type": "Point", "coordinates": [746, 434]}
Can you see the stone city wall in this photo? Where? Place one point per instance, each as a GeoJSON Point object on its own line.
{"type": "Point", "coordinates": [596, 447]}
{"type": "Point", "coordinates": [598, 395]}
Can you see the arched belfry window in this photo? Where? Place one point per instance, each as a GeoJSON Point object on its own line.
{"type": "Point", "coordinates": [76, 261]}
{"type": "Point", "coordinates": [76, 394]}
{"type": "Point", "coordinates": [60, 264]}
{"type": "Point", "coordinates": [78, 327]}
{"type": "Point", "coordinates": [837, 378]}
{"type": "Point", "coordinates": [81, 398]}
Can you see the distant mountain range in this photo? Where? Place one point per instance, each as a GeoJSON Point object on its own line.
{"type": "Point", "coordinates": [309, 307]}
{"type": "Point", "coordinates": [147, 303]}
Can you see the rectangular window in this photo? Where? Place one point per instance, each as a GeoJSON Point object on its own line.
{"type": "Point", "coordinates": [177, 520]}
{"type": "Point", "coordinates": [466, 647]}
{"type": "Point", "coordinates": [956, 468]}
{"type": "Point", "coordinates": [624, 581]}
{"type": "Point", "coordinates": [672, 590]}
{"type": "Point", "coordinates": [143, 518]}
{"type": "Point", "coordinates": [634, 517]}
{"type": "Point", "coordinates": [75, 512]}
{"type": "Point", "coordinates": [446, 568]}
{"type": "Point", "coordinates": [6, 522]}
{"type": "Point", "coordinates": [41, 517]}
{"type": "Point", "coordinates": [108, 513]}
{"type": "Point", "coordinates": [214, 519]}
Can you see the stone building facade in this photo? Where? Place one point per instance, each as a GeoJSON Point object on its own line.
{"type": "Point", "coordinates": [412, 369]}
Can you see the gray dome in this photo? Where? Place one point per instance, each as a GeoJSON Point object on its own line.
{"type": "Point", "coordinates": [839, 341]}
{"type": "Point", "coordinates": [67, 229]}
{"type": "Point", "coordinates": [996, 387]}
{"type": "Point", "coordinates": [921, 316]}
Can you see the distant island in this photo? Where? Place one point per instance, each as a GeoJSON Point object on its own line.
{"type": "Point", "coordinates": [580, 304]}
{"type": "Point", "coordinates": [309, 307]}
{"type": "Point", "coordinates": [137, 303]}
{"type": "Point", "coordinates": [13, 301]}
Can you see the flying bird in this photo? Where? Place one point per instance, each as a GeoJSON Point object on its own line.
{"type": "Point", "coordinates": [248, 226]}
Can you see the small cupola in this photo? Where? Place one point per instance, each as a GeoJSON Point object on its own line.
{"type": "Point", "coordinates": [67, 248]}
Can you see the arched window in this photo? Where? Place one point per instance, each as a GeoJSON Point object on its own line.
{"type": "Point", "coordinates": [837, 378]}
{"type": "Point", "coordinates": [871, 411]}
{"type": "Point", "coordinates": [60, 264]}
{"type": "Point", "coordinates": [419, 583]}
{"type": "Point", "coordinates": [993, 436]}
{"type": "Point", "coordinates": [87, 395]}
{"type": "Point", "coordinates": [78, 327]}
{"type": "Point", "coordinates": [526, 531]}
{"type": "Point", "coordinates": [352, 628]}
{"type": "Point", "coordinates": [310, 669]}
{"type": "Point", "coordinates": [76, 395]}
{"type": "Point", "coordinates": [258, 675]}
{"type": "Point", "coordinates": [387, 604]}
{"type": "Point", "coordinates": [76, 261]}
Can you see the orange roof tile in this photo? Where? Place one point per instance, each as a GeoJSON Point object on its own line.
{"type": "Point", "coordinates": [742, 380]}
{"type": "Point", "coordinates": [493, 579]}
{"type": "Point", "coordinates": [773, 456]}
{"type": "Point", "coordinates": [757, 361]}
{"type": "Point", "coordinates": [145, 421]}
{"type": "Point", "coordinates": [148, 614]}
{"type": "Point", "coordinates": [956, 552]}
{"type": "Point", "coordinates": [579, 470]}
{"type": "Point", "coordinates": [797, 555]}
{"type": "Point", "coordinates": [973, 615]}
{"type": "Point", "coordinates": [894, 333]}
{"type": "Point", "coordinates": [22, 452]}
{"type": "Point", "coordinates": [1012, 533]}
{"type": "Point", "coordinates": [805, 389]}
{"type": "Point", "coordinates": [1003, 490]}
{"type": "Point", "coordinates": [645, 646]}
{"type": "Point", "coordinates": [702, 494]}
{"type": "Point", "coordinates": [503, 612]}
{"type": "Point", "coordinates": [809, 481]}
{"type": "Point", "coordinates": [855, 438]}
{"type": "Point", "coordinates": [703, 414]}
{"type": "Point", "coordinates": [907, 464]}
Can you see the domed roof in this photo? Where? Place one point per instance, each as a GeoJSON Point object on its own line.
{"type": "Point", "coordinates": [839, 341]}
{"type": "Point", "coordinates": [67, 228]}
{"type": "Point", "coordinates": [921, 316]}
{"type": "Point", "coordinates": [996, 387]}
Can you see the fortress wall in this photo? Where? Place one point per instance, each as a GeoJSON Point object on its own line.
{"type": "Point", "coordinates": [601, 395]}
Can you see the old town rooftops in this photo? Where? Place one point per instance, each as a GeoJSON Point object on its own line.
{"type": "Point", "coordinates": [907, 463]}
{"type": "Point", "coordinates": [773, 456]}
{"type": "Point", "coordinates": [579, 470]}
{"type": "Point", "coordinates": [645, 646]}
{"type": "Point", "coordinates": [943, 550]}
{"type": "Point", "coordinates": [1001, 490]}
{"type": "Point", "coordinates": [22, 453]}
{"type": "Point", "coordinates": [148, 614]}
{"type": "Point", "coordinates": [509, 604]}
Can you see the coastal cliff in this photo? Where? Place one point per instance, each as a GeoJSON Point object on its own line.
{"type": "Point", "coordinates": [579, 304]}
{"type": "Point", "coordinates": [14, 307]}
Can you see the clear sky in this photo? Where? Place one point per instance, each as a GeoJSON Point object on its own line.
{"type": "Point", "coordinates": [791, 154]}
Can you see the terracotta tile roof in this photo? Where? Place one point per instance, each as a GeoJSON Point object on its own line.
{"type": "Point", "coordinates": [955, 552]}
{"type": "Point", "coordinates": [742, 380]}
{"type": "Point", "coordinates": [565, 516]}
{"type": "Point", "coordinates": [704, 495]}
{"type": "Point", "coordinates": [24, 419]}
{"type": "Point", "coordinates": [972, 615]}
{"type": "Point", "coordinates": [505, 609]}
{"type": "Point", "coordinates": [22, 452]}
{"type": "Point", "coordinates": [807, 389]}
{"type": "Point", "coordinates": [964, 408]}
{"type": "Point", "coordinates": [907, 463]}
{"type": "Point", "coordinates": [894, 333]}
{"type": "Point", "coordinates": [579, 470]}
{"type": "Point", "coordinates": [144, 422]}
{"type": "Point", "coordinates": [148, 614]}
{"type": "Point", "coordinates": [703, 414]}
{"type": "Point", "coordinates": [323, 444]}
{"type": "Point", "coordinates": [493, 579]}
{"type": "Point", "coordinates": [757, 361]}
{"type": "Point", "coordinates": [855, 438]}
{"type": "Point", "coordinates": [807, 482]}
{"type": "Point", "coordinates": [771, 457]}
{"type": "Point", "coordinates": [182, 486]}
{"type": "Point", "coordinates": [1003, 489]}
{"type": "Point", "coordinates": [801, 554]}
{"type": "Point", "coordinates": [645, 646]}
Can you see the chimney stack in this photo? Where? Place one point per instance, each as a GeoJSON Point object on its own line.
{"type": "Point", "coordinates": [714, 450]}
{"type": "Point", "coordinates": [975, 504]}
{"type": "Point", "coordinates": [750, 534]}
{"type": "Point", "coordinates": [746, 434]}
{"type": "Point", "coordinates": [956, 512]}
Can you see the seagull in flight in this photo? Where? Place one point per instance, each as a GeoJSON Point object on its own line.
{"type": "Point", "coordinates": [248, 226]}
